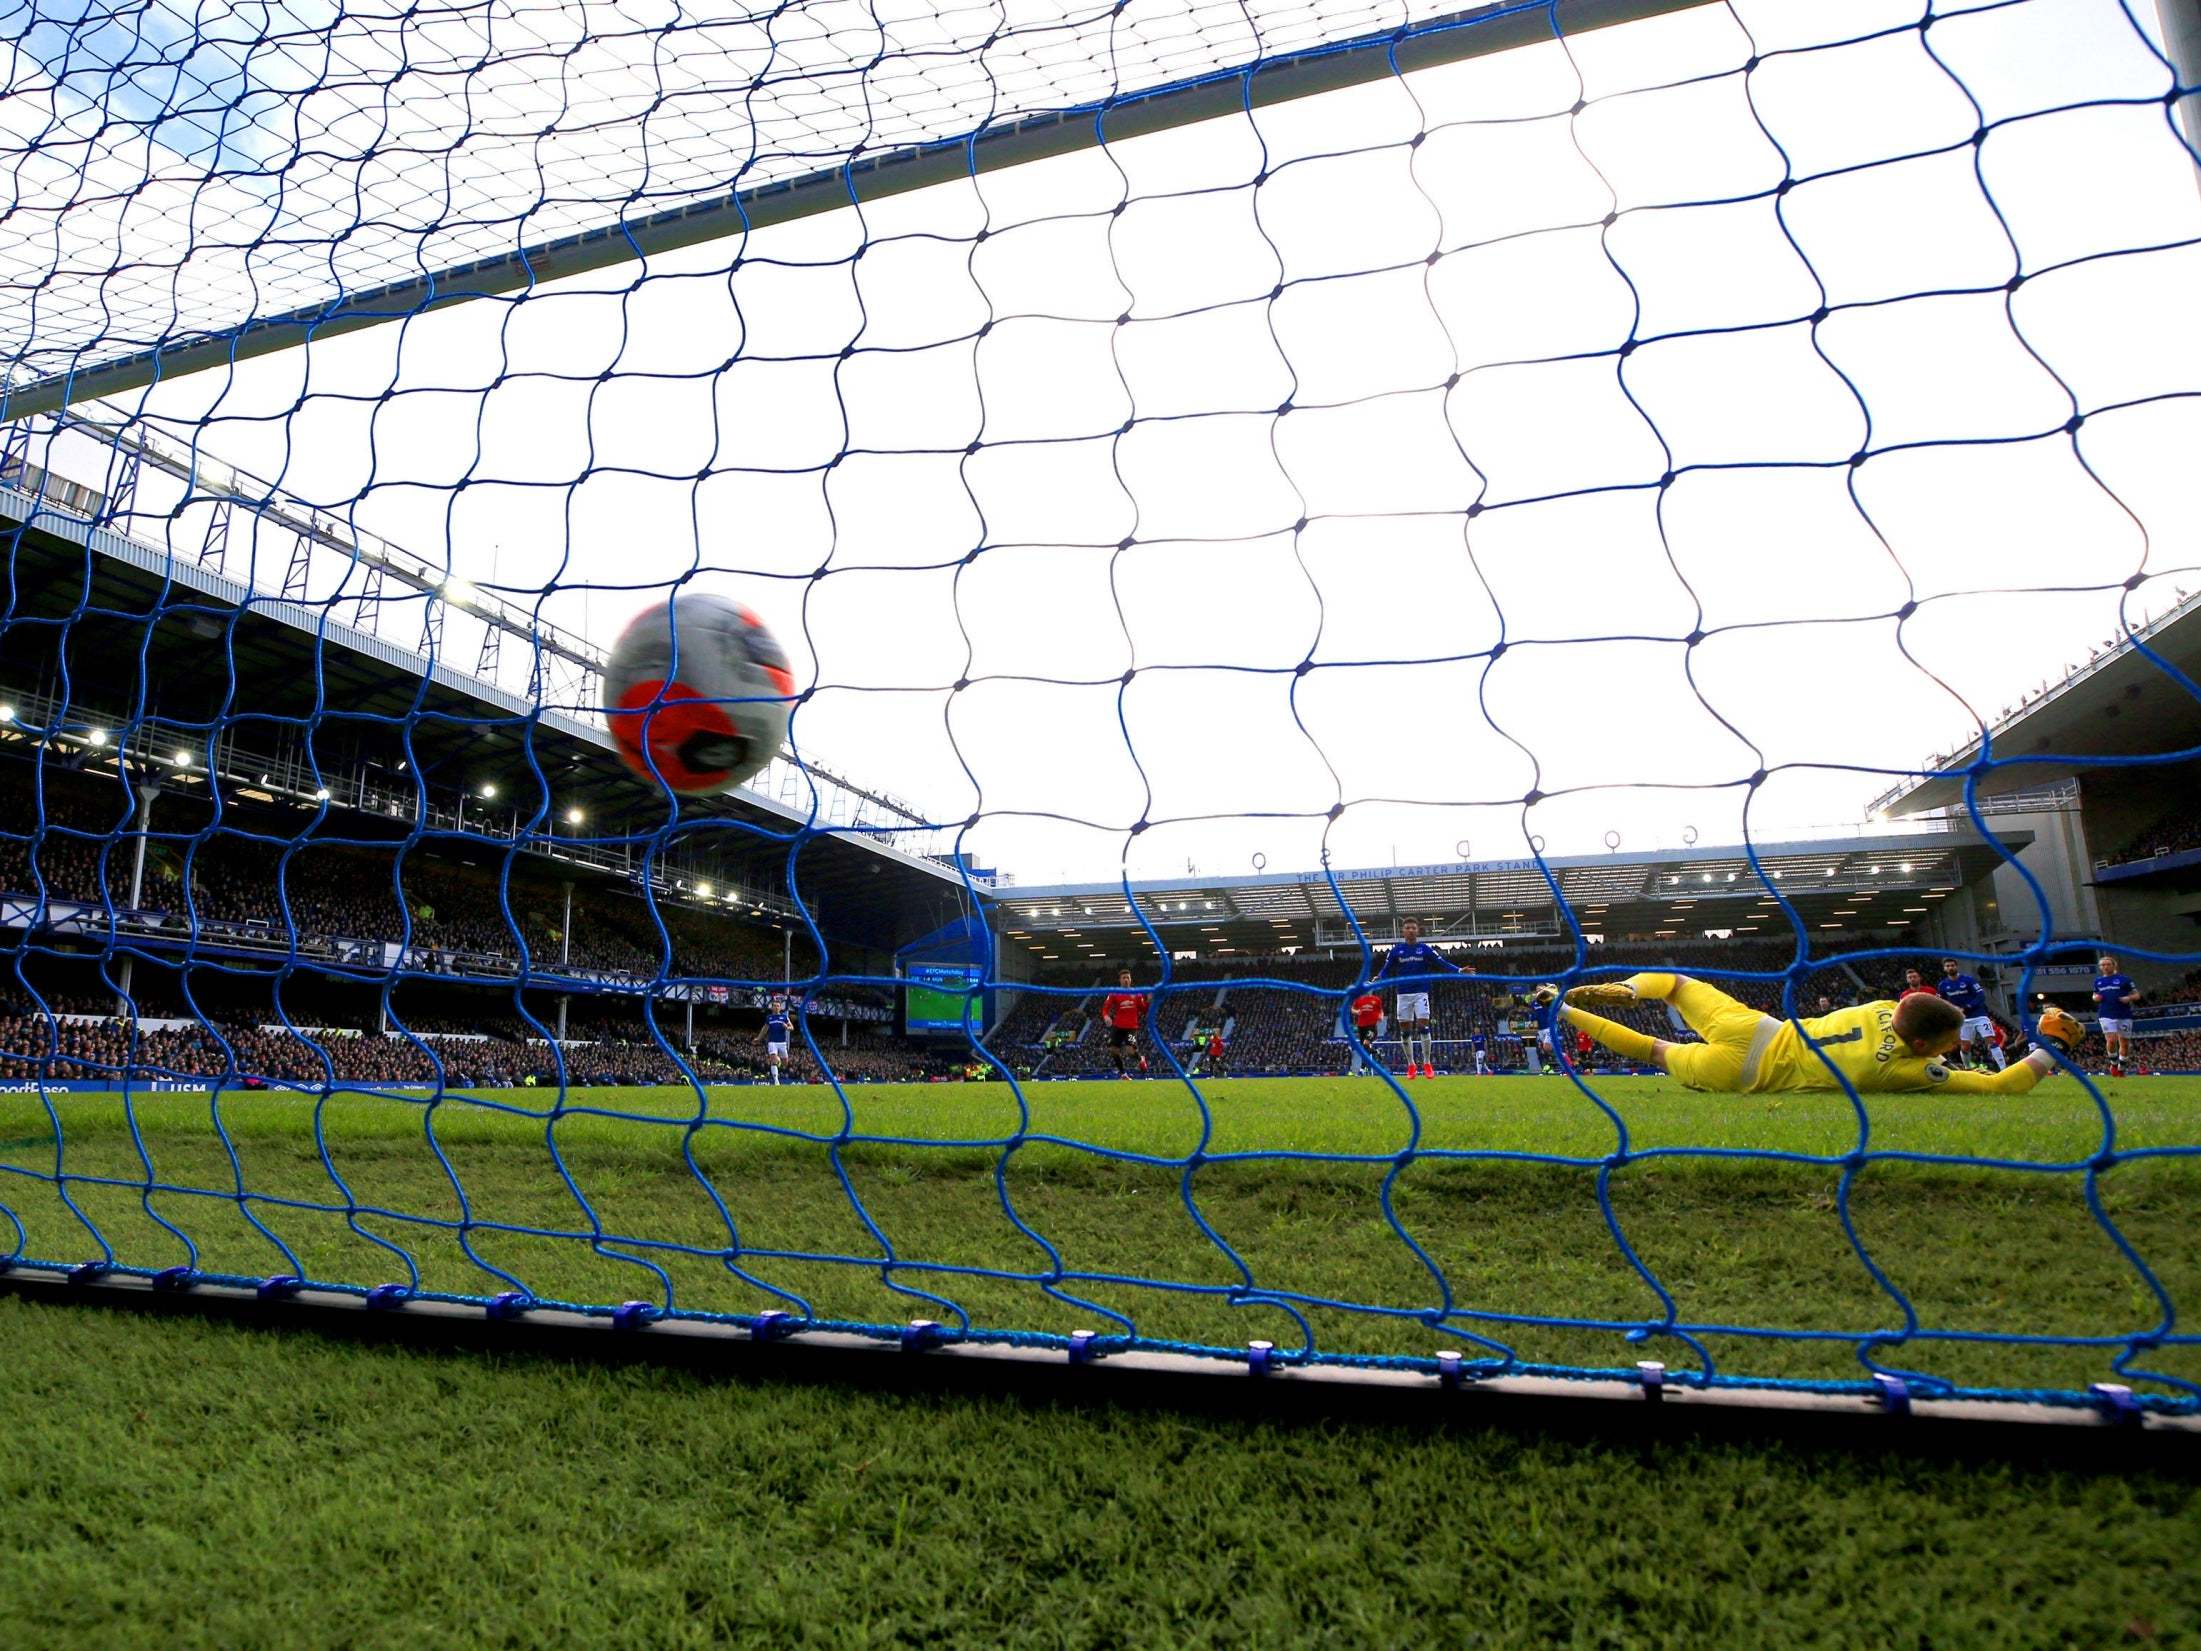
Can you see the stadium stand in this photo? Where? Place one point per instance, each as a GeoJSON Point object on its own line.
{"type": "Point", "coordinates": [260, 958]}
{"type": "Point", "coordinates": [2174, 833]}
{"type": "Point", "coordinates": [234, 883]}
{"type": "Point", "coordinates": [81, 1044]}
{"type": "Point", "coordinates": [1035, 1018]}
{"type": "Point", "coordinates": [343, 897]}
{"type": "Point", "coordinates": [2167, 1051]}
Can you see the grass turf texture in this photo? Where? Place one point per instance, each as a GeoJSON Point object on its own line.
{"type": "Point", "coordinates": [1746, 1241]}
{"type": "Point", "coordinates": [199, 1484]}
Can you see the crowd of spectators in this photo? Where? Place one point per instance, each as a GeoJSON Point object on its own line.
{"type": "Point", "coordinates": [2174, 833]}
{"type": "Point", "coordinates": [69, 1048]}
{"type": "Point", "coordinates": [1035, 1015]}
{"type": "Point", "coordinates": [2167, 1052]}
{"type": "Point", "coordinates": [467, 919]}
{"type": "Point", "coordinates": [1272, 1030]}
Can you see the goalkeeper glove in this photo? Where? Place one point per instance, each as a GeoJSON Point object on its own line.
{"type": "Point", "coordinates": [2060, 1029]}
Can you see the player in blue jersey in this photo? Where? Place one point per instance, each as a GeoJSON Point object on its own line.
{"type": "Point", "coordinates": [1976, 1037]}
{"type": "Point", "coordinates": [778, 1023]}
{"type": "Point", "coordinates": [2114, 996]}
{"type": "Point", "coordinates": [1480, 1043]}
{"type": "Point", "coordinates": [1414, 956]}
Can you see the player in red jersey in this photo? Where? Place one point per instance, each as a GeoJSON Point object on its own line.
{"type": "Point", "coordinates": [1217, 1054]}
{"type": "Point", "coordinates": [1367, 1017]}
{"type": "Point", "coordinates": [1914, 983]}
{"type": "Point", "coordinates": [1122, 1012]}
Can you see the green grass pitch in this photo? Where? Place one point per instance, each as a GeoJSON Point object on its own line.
{"type": "Point", "coordinates": [212, 1484]}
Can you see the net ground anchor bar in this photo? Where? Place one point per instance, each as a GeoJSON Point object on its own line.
{"type": "Point", "coordinates": [2116, 1403]}
{"type": "Point", "coordinates": [2114, 1431]}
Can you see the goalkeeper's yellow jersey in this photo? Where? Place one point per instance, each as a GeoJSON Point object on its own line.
{"type": "Point", "coordinates": [1862, 1045]}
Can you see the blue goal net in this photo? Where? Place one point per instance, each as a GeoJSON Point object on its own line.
{"type": "Point", "coordinates": [1291, 528]}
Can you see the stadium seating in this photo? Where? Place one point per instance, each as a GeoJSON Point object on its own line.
{"type": "Point", "coordinates": [235, 896]}
{"type": "Point", "coordinates": [1031, 1018]}
{"type": "Point", "coordinates": [80, 1044]}
{"type": "Point", "coordinates": [235, 885]}
{"type": "Point", "coordinates": [2174, 833]}
{"type": "Point", "coordinates": [241, 885]}
{"type": "Point", "coordinates": [2168, 1051]}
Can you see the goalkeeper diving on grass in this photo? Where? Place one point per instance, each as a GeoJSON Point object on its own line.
{"type": "Point", "coordinates": [1886, 1048]}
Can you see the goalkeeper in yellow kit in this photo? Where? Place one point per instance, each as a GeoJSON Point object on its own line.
{"type": "Point", "coordinates": [1883, 1047]}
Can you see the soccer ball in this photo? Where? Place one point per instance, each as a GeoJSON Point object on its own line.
{"type": "Point", "coordinates": [706, 721]}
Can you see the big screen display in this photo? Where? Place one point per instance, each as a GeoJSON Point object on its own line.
{"type": "Point", "coordinates": [933, 1000]}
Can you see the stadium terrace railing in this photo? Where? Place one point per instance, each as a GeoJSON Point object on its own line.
{"type": "Point", "coordinates": [155, 929]}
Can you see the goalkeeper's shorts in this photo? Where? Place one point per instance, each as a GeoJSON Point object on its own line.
{"type": "Point", "coordinates": [1735, 1036]}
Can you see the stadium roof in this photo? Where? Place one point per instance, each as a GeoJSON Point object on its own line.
{"type": "Point", "coordinates": [1846, 883]}
{"type": "Point", "coordinates": [222, 652]}
{"type": "Point", "coordinates": [2119, 703]}
{"type": "Point", "coordinates": [755, 120]}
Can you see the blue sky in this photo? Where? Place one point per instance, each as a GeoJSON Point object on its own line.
{"type": "Point", "coordinates": [211, 89]}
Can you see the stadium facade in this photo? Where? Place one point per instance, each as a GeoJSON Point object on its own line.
{"type": "Point", "coordinates": [2100, 768]}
